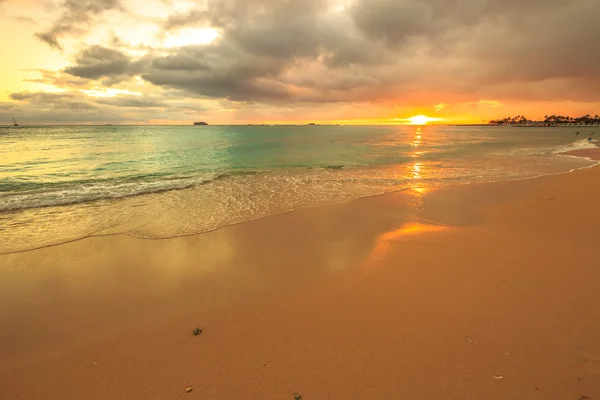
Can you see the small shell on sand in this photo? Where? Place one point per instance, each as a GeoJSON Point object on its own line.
{"type": "Point", "coordinates": [188, 389]}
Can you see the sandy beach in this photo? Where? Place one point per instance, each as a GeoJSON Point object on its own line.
{"type": "Point", "coordinates": [486, 291]}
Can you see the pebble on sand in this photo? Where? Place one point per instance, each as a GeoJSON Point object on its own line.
{"type": "Point", "coordinates": [197, 331]}
{"type": "Point", "coordinates": [188, 389]}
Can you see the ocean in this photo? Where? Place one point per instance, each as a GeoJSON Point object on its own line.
{"type": "Point", "coordinates": [63, 183]}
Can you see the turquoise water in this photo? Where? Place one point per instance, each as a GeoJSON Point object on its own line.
{"type": "Point", "coordinates": [62, 183]}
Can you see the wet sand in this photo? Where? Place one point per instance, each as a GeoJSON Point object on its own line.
{"type": "Point", "coordinates": [479, 292]}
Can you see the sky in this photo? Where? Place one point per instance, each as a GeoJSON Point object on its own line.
{"type": "Point", "coordinates": [296, 61]}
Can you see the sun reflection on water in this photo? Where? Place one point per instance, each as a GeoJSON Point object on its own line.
{"type": "Point", "coordinates": [417, 139]}
{"type": "Point", "coordinates": [416, 170]}
{"type": "Point", "coordinates": [417, 173]}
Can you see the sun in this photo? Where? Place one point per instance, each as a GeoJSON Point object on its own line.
{"type": "Point", "coordinates": [421, 120]}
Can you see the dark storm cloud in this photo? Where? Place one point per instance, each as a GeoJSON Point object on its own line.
{"type": "Point", "coordinates": [245, 79]}
{"type": "Point", "coordinates": [131, 101]}
{"type": "Point", "coordinates": [81, 101]}
{"type": "Point", "coordinates": [96, 61]}
{"type": "Point", "coordinates": [58, 100]}
{"type": "Point", "coordinates": [503, 40]}
{"type": "Point", "coordinates": [75, 19]}
{"type": "Point", "coordinates": [74, 107]}
{"type": "Point", "coordinates": [284, 29]}
{"type": "Point", "coordinates": [399, 21]}
{"type": "Point", "coordinates": [553, 44]}
{"type": "Point", "coordinates": [186, 60]}
{"type": "Point", "coordinates": [395, 47]}
{"type": "Point", "coordinates": [49, 102]}
{"type": "Point", "coordinates": [35, 97]}
{"type": "Point", "coordinates": [260, 42]}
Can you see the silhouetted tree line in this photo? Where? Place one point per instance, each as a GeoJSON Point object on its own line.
{"type": "Point", "coordinates": [549, 120]}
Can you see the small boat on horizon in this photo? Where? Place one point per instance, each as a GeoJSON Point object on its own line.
{"type": "Point", "coordinates": [14, 122]}
{"type": "Point", "coordinates": [200, 123]}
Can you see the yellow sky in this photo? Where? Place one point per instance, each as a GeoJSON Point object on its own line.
{"type": "Point", "coordinates": [23, 53]}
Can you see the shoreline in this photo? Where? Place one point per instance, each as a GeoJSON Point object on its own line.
{"type": "Point", "coordinates": [592, 154]}
{"type": "Point", "coordinates": [417, 295]}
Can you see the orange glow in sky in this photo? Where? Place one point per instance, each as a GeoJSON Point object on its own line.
{"type": "Point", "coordinates": [421, 120]}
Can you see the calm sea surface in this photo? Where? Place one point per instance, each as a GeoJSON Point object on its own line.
{"type": "Point", "coordinates": [64, 183]}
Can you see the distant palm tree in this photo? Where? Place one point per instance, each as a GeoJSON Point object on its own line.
{"type": "Point", "coordinates": [551, 120]}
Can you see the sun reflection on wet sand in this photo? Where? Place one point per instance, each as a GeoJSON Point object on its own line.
{"type": "Point", "coordinates": [384, 241]}
{"type": "Point", "coordinates": [421, 190]}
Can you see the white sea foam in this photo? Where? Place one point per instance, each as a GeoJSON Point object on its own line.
{"type": "Point", "coordinates": [576, 145]}
{"type": "Point", "coordinates": [74, 194]}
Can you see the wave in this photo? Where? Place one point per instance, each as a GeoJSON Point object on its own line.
{"type": "Point", "coordinates": [576, 145]}
{"type": "Point", "coordinates": [39, 195]}
{"type": "Point", "coordinates": [24, 195]}
{"type": "Point", "coordinates": [232, 174]}
{"type": "Point", "coordinates": [547, 150]}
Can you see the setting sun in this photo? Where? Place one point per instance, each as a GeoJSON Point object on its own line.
{"type": "Point", "coordinates": [421, 120]}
